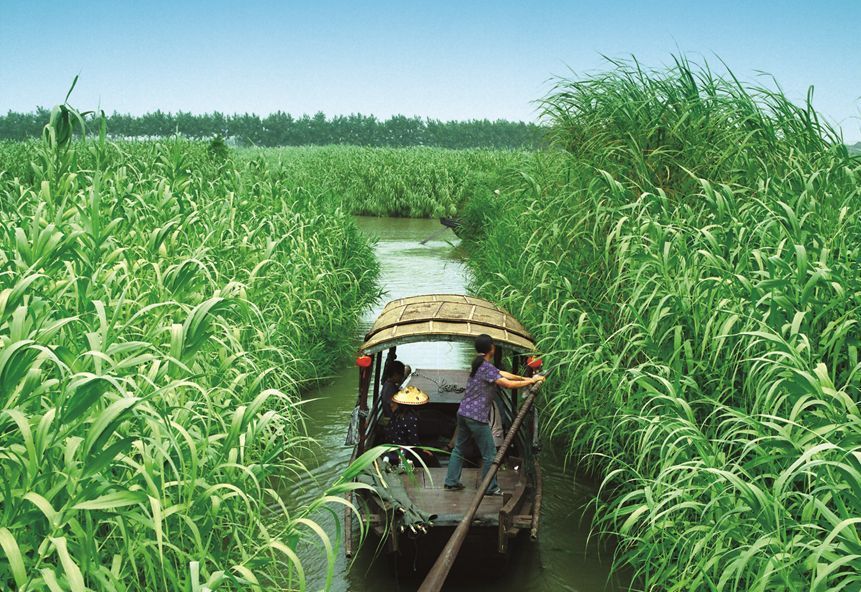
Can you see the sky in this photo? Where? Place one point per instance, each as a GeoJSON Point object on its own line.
{"type": "Point", "coordinates": [440, 59]}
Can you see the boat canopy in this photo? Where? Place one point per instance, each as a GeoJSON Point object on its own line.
{"type": "Point", "coordinates": [444, 317]}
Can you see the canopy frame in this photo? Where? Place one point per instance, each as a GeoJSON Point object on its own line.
{"type": "Point", "coordinates": [445, 317]}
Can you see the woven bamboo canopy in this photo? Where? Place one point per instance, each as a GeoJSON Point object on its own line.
{"type": "Point", "coordinates": [444, 317]}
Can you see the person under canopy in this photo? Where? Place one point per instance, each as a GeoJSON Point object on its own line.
{"type": "Point", "coordinates": [403, 428]}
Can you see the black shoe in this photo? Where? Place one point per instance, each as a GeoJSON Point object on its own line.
{"type": "Point", "coordinates": [495, 491]}
{"type": "Point", "coordinates": [456, 487]}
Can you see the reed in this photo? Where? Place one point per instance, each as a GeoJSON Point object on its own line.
{"type": "Point", "coordinates": [159, 307]}
{"type": "Point", "coordinates": [689, 254]}
{"type": "Point", "coordinates": [406, 182]}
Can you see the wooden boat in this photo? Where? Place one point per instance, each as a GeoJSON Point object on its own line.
{"type": "Point", "coordinates": [413, 507]}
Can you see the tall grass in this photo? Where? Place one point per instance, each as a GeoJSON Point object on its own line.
{"type": "Point", "coordinates": [406, 182]}
{"type": "Point", "coordinates": [690, 252]}
{"type": "Point", "coordinates": [159, 306]}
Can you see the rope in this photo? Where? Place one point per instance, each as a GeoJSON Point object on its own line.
{"type": "Point", "coordinates": [442, 387]}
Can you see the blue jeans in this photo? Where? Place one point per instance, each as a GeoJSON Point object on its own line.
{"type": "Point", "coordinates": [483, 438]}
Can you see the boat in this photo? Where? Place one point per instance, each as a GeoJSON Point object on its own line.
{"type": "Point", "coordinates": [411, 513]}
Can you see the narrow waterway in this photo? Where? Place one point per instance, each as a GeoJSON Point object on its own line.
{"type": "Point", "coordinates": [564, 557]}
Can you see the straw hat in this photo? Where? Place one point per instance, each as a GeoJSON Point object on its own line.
{"type": "Point", "coordinates": [410, 396]}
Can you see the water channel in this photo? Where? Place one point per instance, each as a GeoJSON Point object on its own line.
{"type": "Point", "coordinates": [564, 558]}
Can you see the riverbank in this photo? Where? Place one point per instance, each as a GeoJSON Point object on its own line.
{"type": "Point", "coordinates": [160, 307]}
{"type": "Point", "coordinates": [688, 256]}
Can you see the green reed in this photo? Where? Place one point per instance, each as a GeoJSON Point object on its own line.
{"type": "Point", "coordinates": [690, 253]}
{"type": "Point", "coordinates": [407, 182]}
{"type": "Point", "coordinates": [159, 307]}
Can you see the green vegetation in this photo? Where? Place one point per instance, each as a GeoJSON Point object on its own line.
{"type": "Point", "coordinates": [688, 250]}
{"type": "Point", "coordinates": [690, 254]}
{"type": "Point", "coordinates": [412, 182]}
{"type": "Point", "coordinates": [282, 129]}
{"type": "Point", "coordinates": [160, 304]}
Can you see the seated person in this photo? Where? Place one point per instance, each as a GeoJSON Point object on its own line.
{"type": "Point", "coordinates": [403, 429]}
{"type": "Point", "coordinates": [392, 384]}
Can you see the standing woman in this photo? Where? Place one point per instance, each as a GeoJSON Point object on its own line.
{"type": "Point", "coordinates": [473, 415]}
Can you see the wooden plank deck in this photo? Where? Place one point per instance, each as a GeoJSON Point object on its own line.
{"type": "Point", "coordinates": [450, 506]}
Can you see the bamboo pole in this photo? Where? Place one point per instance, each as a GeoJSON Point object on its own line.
{"type": "Point", "coordinates": [435, 578]}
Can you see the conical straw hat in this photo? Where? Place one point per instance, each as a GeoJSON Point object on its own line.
{"type": "Point", "coordinates": [410, 396]}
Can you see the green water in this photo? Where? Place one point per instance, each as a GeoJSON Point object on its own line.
{"type": "Point", "coordinates": [564, 558]}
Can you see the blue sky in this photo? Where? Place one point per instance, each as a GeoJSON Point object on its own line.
{"type": "Point", "coordinates": [449, 60]}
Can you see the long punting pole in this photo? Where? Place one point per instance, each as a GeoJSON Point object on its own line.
{"type": "Point", "coordinates": [439, 572]}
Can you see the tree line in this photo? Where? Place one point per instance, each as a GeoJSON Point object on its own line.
{"type": "Point", "coordinates": [283, 129]}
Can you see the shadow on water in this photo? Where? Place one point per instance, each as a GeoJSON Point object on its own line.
{"type": "Point", "coordinates": [564, 558]}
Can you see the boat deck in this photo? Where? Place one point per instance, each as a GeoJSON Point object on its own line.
{"type": "Point", "coordinates": [450, 506]}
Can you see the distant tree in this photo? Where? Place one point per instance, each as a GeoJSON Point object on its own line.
{"type": "Point", "coordinates": [283, 129]}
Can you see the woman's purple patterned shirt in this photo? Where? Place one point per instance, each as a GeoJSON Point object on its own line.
{"type": "Point", "coordinates": [480, 390]}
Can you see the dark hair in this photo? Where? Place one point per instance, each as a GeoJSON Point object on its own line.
{"type": "Point", "coordinates": [395, 367]}
{"type": "Point", "coordinates": [483, 343]}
